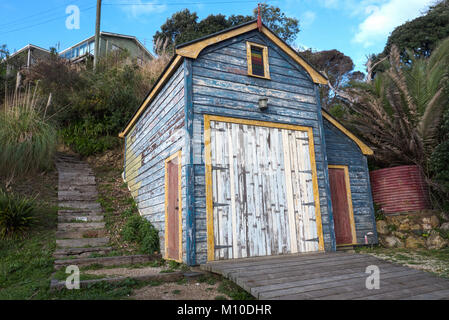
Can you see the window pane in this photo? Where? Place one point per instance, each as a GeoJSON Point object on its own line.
{"type": "Point", "coordinates": [92, 47]}
{"type": "Point", "coordinates": [83, 49]}
{"type": "Point", "coordinates": [257, 61]}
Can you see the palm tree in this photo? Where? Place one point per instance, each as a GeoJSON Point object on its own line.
{"type": "Point", "coordinates": [399, 112]}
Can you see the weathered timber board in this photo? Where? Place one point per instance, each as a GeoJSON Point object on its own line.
{"type": "Point", "coordinates": [333, 276]}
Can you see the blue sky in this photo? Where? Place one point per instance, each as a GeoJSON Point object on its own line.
{"type": "Point", "coordinates": [355, 27]}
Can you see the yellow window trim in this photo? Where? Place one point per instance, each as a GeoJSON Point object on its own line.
{"type": "Point", "coordinates": [349, 196]}
{"type": "Point", "coordinates": [170, 158]}
{"type": "Point", "coordinates": [363, 147]}
{"type": "Point", "coordinates": [265, 60]}
{"type": "Point", "coordinates": [208, 163]}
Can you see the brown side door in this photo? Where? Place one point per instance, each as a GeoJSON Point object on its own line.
{"type": "Point", "coordinates": [172, 210]}
{"type": "Point", "coordinates": [341, 207]}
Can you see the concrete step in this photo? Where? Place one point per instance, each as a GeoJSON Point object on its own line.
{"type": "Point", "coordinates": [80, 234]}
{"type": "Point", "coordinates": [108, 261]}
{"type": "Point", "coordinates": [81, 188]}
{"type": "Point", "coordinates": [80, 226]}
{"type": "Point", "coordinates": [86, 211]}
{"type": "Point", "coordinates": [346, 248]}
{"type": "Point", "coordinates": [80, 252]}
{"type": "Point", "coordinates": [77, 196]}
{"type": "Point", "coordinates": [80, 218]}
{"type": "Point", "coordinates": [90, 205]}
{"type": "Point", "coordinates": [165, 277]}
{"type": "Point", "coordinates": [76, 180]}
{"type": "Point", "coordinates": [80, 243]}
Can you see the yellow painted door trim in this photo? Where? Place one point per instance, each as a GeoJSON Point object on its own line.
{"type": "Point", "coordinates": [170, 158]}
{"type": "Point", "coordinates": [208, 173]}
{"type": "Point", "coordinates": [350, 207]}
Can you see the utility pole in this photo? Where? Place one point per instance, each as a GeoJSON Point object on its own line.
{"type": "Point", "coordinates": [97, 34]}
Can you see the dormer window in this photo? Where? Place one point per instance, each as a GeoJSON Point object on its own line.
{"type": "Point", "coordinates": [257, 56]}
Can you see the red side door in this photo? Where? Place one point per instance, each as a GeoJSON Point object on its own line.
{"type": "Point", "coordinates": [173, 210]}
{"type": "Point", "coordinates": [340, 206]}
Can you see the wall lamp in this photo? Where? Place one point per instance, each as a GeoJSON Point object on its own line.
{"type": "Point", "coordinates": [263, 104]}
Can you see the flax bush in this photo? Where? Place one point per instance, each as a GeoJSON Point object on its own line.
{"type": "Point", "coordinates": [16, 215]}
{"type": "Point", "coordinates": [27, 139]}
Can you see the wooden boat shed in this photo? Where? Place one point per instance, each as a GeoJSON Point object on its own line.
{"type": "Point", "coordinates": [230, 154]}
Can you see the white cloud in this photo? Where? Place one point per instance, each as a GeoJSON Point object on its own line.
{"type": "Point", "coordinates": [138, 8]}
{"type": "Point", "coordinates": [307, 18]}
{"type": "Point", "coordinates": [383, 18]}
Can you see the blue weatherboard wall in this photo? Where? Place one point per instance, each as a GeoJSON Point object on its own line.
{"type": "Point", "coordinates": [158, 133]}
{"type": "Point", "coordinates": [216, 83]}
{"type": "Point", "coordinates": [343, 151]}
{"type": "Point", "coordinates": [222, 87]}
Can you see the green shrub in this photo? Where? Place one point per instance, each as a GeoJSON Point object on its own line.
{"type": "Point", "coordinates": [139, 230]}
{"type": "Point", "coordinates": [27, 139]}
{"type": "Point", "coordinates": [439, 167]}
{"type": "Point", "coordinates": [16, 215]}
{"type": "Point", "coordinates": [88, 137]}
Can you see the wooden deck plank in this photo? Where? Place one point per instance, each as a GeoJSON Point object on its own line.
{"type": "Point", "coordinates": [288, 263]}
{"type": "Point", "coordinates": [293, 269]}
{"type": "Point", "coordinates": [319, 284]}
{"type": "Point", "coordinates": [330, 276]}
{"type": "Point", "coordinates": [309, 274]}
{"type": "Point", "coordinates": [288, 275]}
{"type": "Point", "coordinates": [354, 292]}
{"type": "Point", "coordinates": [442, 294]}
{"type": "Point", "coordinates": [246, 262]}
{"type": "Point", "coordinates": [412, 289]}
{"type": "Point", "coordinates": [386, 285]}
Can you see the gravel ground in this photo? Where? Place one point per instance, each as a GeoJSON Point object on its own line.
{"type": "Point", "coordinates": [174, 291]}
{"type": "Point", "coordinates": [125, 271]}
{"type": "Point", "coordinates": [427, 260]}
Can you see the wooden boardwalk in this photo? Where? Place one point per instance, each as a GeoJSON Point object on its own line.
{"type": "Point", "coordinates": [330, 276]}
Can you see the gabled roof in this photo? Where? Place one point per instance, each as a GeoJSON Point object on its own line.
{"type": "Point", "coordinates": [29, 46]}
{"type": "Point", "coordinates": [111, 34]}
{"type": "Point", "coordinates": [363, 147]}
{"type": "Point", "coordinates": [193, 48]}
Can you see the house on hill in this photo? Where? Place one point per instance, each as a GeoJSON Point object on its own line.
{"type": "Point", "coordinates": [109, 42]}
{"type": "Point", "coordinates": [26, 57]}
{"type": "Point", "coordinates": [230, 154]}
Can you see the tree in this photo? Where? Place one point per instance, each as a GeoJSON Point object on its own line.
{"type": "Point", "coordinates": [212, 24]}
{"type": "Point", "coordinates": [180, 28]}
{"type": "Point", "coordinates": [400, 111]}
{"type": "Point", "coordinates": [235, 20]}
{"type": "Point", "coordinates": [421, 35]}
{"type": "Point", "coordinates": [183, 26]}
{"type": "Point", "coordinates": [4, 79]}
{"type": "Point", "coordinates": [286, 28]}
{"type": "Point", "coordinates": [338, 68]}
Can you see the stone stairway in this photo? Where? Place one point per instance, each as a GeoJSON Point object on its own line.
{"type": "Point", "coordinates": [81, 228]}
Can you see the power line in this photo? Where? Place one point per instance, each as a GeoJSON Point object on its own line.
{"type": "Point", "coordinates": [20, 20]}
{"type": "Point", "coordinates": [53, 17]}
{"type": "Point", "coordinates": [44, 22]}
{"type": "Point", "coordinates": [179, 3]}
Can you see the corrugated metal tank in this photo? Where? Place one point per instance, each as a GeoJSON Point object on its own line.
{"type": "Point", "coordinates": [400, 189]}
